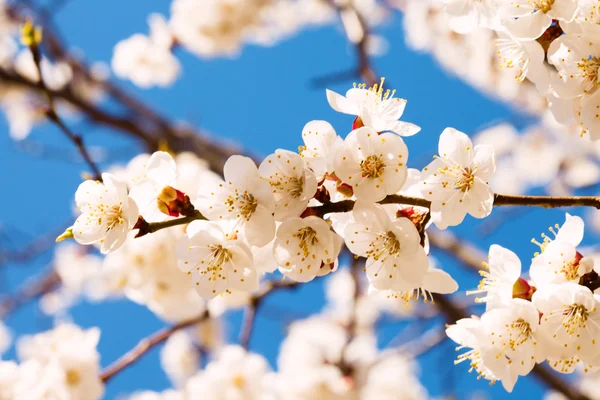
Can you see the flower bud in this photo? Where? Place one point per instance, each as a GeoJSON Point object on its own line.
{"type": "Point", "coordinates": [358, 123]}
{"type": "Point", "coordinates": [174, 203]}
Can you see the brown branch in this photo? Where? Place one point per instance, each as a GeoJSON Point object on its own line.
{"type": "Point", "coordinates": [147, 344]}
{"type": "Point", "coordinates": [253, 306]}
{"type": "Point", "coordinates": [33, 249]}
{"type": "Point", "coordinates": [31, 290]}
{"type": "Point", "coordinates": [453, 313]}
{"type": "Point", "coordinates": [349, 14]}
{"type": "Point", "coordinates": [145, 227]}
{"type": "Point", "coordinates": [465, 252]}
{"type": "Point", "coordinates": [57, 120]}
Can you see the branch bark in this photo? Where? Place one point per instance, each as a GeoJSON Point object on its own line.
{"type": "Point", "coordinates": [145, 345]}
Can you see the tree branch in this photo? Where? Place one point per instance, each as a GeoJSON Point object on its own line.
{"type": "Point", "coordinates": [32, 290]}
{"type": "Point", "coordinates": [253, 306]}
{"type": "Point", "coordinates": [57, 120]}
{"type": "Point", "coordinates": [145, 345]}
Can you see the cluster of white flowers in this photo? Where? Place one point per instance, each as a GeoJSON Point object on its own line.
{"type": "Point", "coordinates": [551, 317]}
{"type": "Point", "coordinates": [62, 363]}
{"type": "Point", "coordinates": [275, 216]}
{"type": "Point", "coordinates": [569, 161]}
{"type": "Point", "coordinates": [552, 44]}
{"type": "Point", "coordinates": [216, 28]}
{"type": "Point", "coordinates": [472, 56]}
{"type": "Point", "coordinates": [318, 359]}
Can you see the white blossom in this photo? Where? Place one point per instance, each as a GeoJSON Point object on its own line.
{"type": "Point", "coordinates": [244, 198]}
{"type": "Point", "coordinates": [373, 164]}
{"type": "Point", "coordinates": [217, 263]}
{"type": "Point", "coordinates": [107, 213]}
{"type": "Point", "coordinates": [456, 181]}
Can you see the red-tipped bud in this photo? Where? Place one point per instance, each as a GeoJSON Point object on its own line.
{"type": "Point", "coordinates": [522, 289]}
{"type": "Point", "coordinates": [358, 123]}
{"type": "Point", "coordinates": [174, 203]}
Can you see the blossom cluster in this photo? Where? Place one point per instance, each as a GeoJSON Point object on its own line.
{"type": "Point", "coordinates": [552, 44]}
{"type": "Point", "coordinates": [318, 359]}
{"type": "Point", "coordinates": [282, 214]}
{"type": "Point", "coordinates": [62, 363]}
{"type": "Point", "coordinates": [553, 316]}
{"type": "Point", "coordinates": [217, 28]}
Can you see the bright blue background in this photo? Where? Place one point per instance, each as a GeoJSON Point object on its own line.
{"type": "Point", "coordinates": [261, 100]}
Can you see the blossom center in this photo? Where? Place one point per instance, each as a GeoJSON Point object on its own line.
{"type": "Point", "coordinates": [307, 237]}
{"type": "Point", "coordinates": [110, 215]}
{"type": "Point", "coordinates": [385, 243]}
{"type": "Point", "coordinates": [575, 318]}
{"type": "Point", "coordinates": [245, 203]}
{"type": "Point", "coordinates": [72, 377]}
{"type": "Point", "coordinates": [589, 71]}
{"type": "Point", "coordinates": [217, 258]}
{"type": "Point", "coordinates": [372, 167]}
{"type": "Point", "coordinates": [543, 5]}
{"type": "Point", "coordinates": [465, 180]}
{"type": "Point", "coordinates": [239, 381]}
{"type": "Point", "coordinates": [520, 332]}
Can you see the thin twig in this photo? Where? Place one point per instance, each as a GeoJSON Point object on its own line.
{"type": "Point", "coordinates": [147, 344]}
{"type": "Point", "coordinates": [53, 116]}
{"type": "Point", "coordinates": [31, 290]}
{"type": "Point", "coordinates": [253, 306]}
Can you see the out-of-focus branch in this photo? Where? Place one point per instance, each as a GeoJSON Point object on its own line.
{"type": "Point", "coordinates": [465, 252]}
{"type": "Point", "coordinates": [30, 291]}
{"type": "Point", "coordinates": [357, 32]}
{"type": "Point", "coordinates": [51, 112]}
{"type": "Point", "coordinates": [147, 344]}
{"type": "Point", "coordinates": [253, 306]}
{"type": "Point", "coordinates": [33, 249]}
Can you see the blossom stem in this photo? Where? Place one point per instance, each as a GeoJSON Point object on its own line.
{"type": "Point", "coordinates": [500, 200]}
{"type": "Point", "coordinates": [151, 227]}
{"type": "Point", "coordinates": [147, 344]}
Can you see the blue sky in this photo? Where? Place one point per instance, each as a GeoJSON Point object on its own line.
{"type": "Point", "coordinates": [261, 100]}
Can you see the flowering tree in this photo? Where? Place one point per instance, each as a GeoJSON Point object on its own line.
{"type": "Point", "coordinates": [192, 230]}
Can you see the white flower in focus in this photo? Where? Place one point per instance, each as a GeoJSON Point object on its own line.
{"type": "Point", "coordinates": [161, 172]}
{"type": "Point", "coordinates": [374, 108]}
{"type": "Point", "coordinates": [373, 164]}
{"type": "Point", "coordinates": [559, 260]}
{"type": "Point", "coordinates": [320, 146]}
{"type": "Point", "coordinates": [456, 181]}
{"type": "Point", "coordinates": [302, 246]}
{"type": "Point", "coordinates": [467, 332]}
{"type": "Point", "coordinates": [524, 57]}
{"type": "Point", "coordinates": [435, 281]}
{"type": "Point", "coordinates": [528, 19]}
{"type": "Point", "coordinates": [145, 62]}
{"type": "Point", "coordinates": [577, 60]}
{"type": "Point", "coordinates": [292, 184]}
{"type": "Point", "coordinates": [179, 358]}
{"type": "Point", "coordinates": [244, 198]}
{"type": "Point", "coordinates": [570, 324]}
{"type": "Point", "coordinates": [395, 258]}
{"type": "Point", "coordinates": [511, 349]}
{"type": "Point", "coordinates": [107, 213]}
{"type": "Point", "coordinates": [503, 271]}
{"type": "Point", "coordinates": [234, 374]}
{"type": "Point", "coordinates": [215, 262]}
